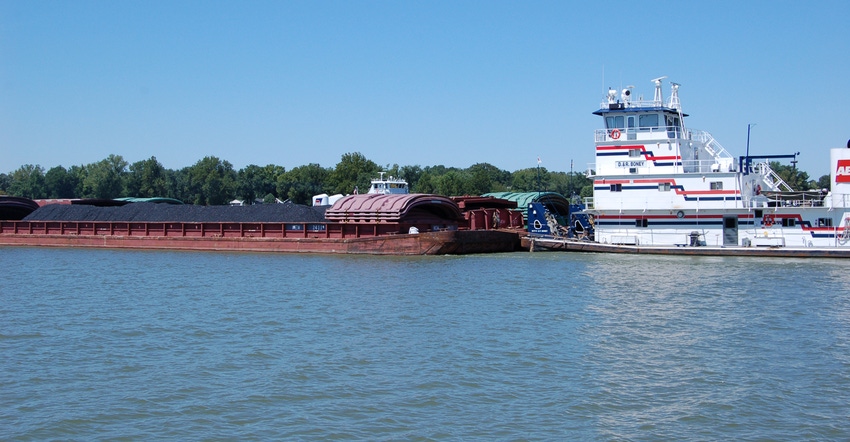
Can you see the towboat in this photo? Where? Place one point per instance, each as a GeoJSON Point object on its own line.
{"type": "Point", "coordinates": [378, 186]}
{"type": "Point", "coordinates": [388, 186]}
{"type": "Point", "coordinates": [662, 187]}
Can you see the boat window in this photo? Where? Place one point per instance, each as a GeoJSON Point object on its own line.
{"type": "Point", "coordinates": [616, 187]}
{"type": "Point", "coordinates": [614, 122]}
{"type": "Point", "coordinates": [634, 153]}
{"type": "Point", "coordinates": [717, 185]}
{"type": "Point", "coordinates": [789, 222]}
{"type": "Point", "coordinates": [824, 222]}
{"type": "Point", "coordinates": [673, 122]}
{"type": "Point", "coordinates": [648, 120]}
{"type": "Point", "coordinates": [672, 126]}
{"type": "Point", "coordinates": [642, 222]}
{"type": "Point", "coordinates": [663, 187]}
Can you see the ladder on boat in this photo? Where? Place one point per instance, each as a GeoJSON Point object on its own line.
{"type": "Point", "coordinates": [772, 179]}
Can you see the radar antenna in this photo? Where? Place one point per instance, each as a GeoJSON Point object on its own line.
{"type": "Point", "coordinates": [658, 99]}
{"type": "Point", "coordinates": [674, 97]}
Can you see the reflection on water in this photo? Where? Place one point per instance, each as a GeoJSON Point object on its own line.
{"type": "Point", "coordinates": [151, 345]}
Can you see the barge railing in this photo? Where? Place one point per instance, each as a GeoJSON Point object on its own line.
{"type": "Point", "coordinates": [201, 229]}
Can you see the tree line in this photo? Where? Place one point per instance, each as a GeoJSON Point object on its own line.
{"type": "Point", "coordinates": [213, 181]}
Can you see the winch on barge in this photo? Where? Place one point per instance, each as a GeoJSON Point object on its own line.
{"type": "Point", "coordinates": [661, 187]}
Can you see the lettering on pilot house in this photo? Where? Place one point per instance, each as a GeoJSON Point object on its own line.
{"type": "Point", "coordinates": [630, 163]}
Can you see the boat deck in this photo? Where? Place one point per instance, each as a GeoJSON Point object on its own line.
{"type": "Point", "coordinates": [571, 245]}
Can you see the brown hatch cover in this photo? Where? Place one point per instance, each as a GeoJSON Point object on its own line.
{"type": "Point", "coordinates": [394, 208]}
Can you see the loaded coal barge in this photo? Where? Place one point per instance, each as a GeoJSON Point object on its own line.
{"type": "Point", "coordinates": [377, 224]}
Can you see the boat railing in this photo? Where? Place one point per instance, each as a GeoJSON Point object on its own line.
{"type": "Point", "coordinates": [638, 134]}
{"type": "Point", "coordinates": [632, 104]}
{"type": "Point", "coordinates": [707, 166]}
{"type": "Point", "coordinates": [790, 199]}
{"type": "Point", "coordinates": [839, 200]}
{"type": "Point", "coordinates": [710, 144]}
{"type": "Point", "coordinates": [212, 230]}
{"type": "Point", "coordinates": [588, 203]}
{"type": "Point", "coordinates": [687, 166]}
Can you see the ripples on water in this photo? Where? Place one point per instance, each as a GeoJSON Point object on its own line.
{"type": "Point", "coordinates": [161, 345]}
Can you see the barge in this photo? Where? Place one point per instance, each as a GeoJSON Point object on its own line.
{"type": "Point", "coordinates": [378, 224]}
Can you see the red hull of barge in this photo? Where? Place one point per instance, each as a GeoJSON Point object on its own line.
{"type": "Point", "coordinates": [385, 239]}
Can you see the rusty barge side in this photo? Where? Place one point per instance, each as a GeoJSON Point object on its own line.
{"type": "Point", "coordinates": [373, 239]}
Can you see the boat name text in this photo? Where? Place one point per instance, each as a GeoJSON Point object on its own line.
{"type": "Point", "coordinates": [630, 163]}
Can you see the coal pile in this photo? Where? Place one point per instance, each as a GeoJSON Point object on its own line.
{"type": "Point", "coordinates": [152, 212]}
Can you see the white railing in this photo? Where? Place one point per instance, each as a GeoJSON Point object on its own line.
{"type": "Point", "coordinates": [637, 133]}
{"type": "Point", "coordinates": [688, 166]}
{"type": "Point", "coordinates": [711, 145]}
{"type": "Point", "coordinates": [633, 104]}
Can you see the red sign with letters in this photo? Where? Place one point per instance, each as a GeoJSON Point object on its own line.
{"type": "Point", "coordinates": [842, 172]}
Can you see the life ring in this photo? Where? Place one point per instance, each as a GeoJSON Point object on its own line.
{"type": "Point", "coordinates": [767, 220]}
{"type": "Point", "coordinates": [615, 134]}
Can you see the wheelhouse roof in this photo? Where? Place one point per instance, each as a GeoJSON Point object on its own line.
{"type": "Point", "coordinates": [636, 109]}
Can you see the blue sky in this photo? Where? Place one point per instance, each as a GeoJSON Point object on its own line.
{"type": "Point", "coordinates": [408, 82]}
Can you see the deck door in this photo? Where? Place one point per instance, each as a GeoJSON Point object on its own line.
{"type": "Point", "coordinates": [630, 128]}
{"type": "Point", "coordinates": [730, 230]}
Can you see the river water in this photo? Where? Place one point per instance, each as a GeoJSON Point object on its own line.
{"type": "Point", "coordinates": [134, 345]}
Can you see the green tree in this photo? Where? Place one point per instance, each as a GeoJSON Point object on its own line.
{"type": "Point", "coordinates": [486, 178]}
{"type": "Point", "coordinates": [569, 184]}
{"type": "Point", "coordinates": [530, 180]}
{"type": "Point", "coordinates": [797, 179]}
{"type": "Point", "coordinates": [177, 184]}
{"type": "Point", "coordinates": [453, 183]}
{"type": "Point", "coordinates": [5, 181]}
{"type": "Point", "coordinates": [411, 174]}
{"type": "Point", "coordinates": [28, 182]}
{"type": "Point", "coordinates": [147, 179]}
{"type": "Point", "coordinates": [824, 182]}
{"type": "Point", "coordinates": [253, 182]}
{"type": "Point", "coordinates": [301, 183]}
{"type": "Point", "coordinates": [105, 179]}
{"type": "Point", "coordinates": [211, 182]}
{"type": "Point", "coordinates": [59, 183]}
{"type": "Point", "coordinates": [353, 170]}
{"type": "Point", "coordinates": [426, 183]}
{"type": "Point", "coordinates": [78, 176]}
